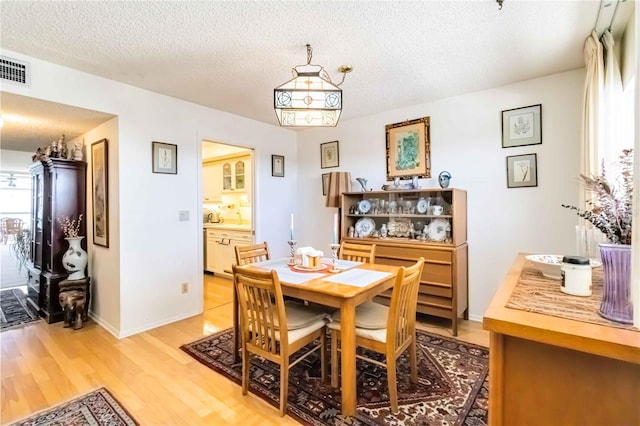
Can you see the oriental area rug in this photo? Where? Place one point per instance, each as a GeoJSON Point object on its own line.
{"type": "Point", "coordinates": [14, 310]}
{"type": "Point", "coordinates": [97, 408]}
{"type": "Point", "coordinates": [453, 384]}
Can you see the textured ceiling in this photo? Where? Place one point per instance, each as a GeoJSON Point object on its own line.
{"type": "Point", "coordinates": [229, 55]}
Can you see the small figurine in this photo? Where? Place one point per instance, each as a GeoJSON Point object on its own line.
{"type": "Point", "coordinates": [55, 149]}
{"type": "Point", "coordinates": [415, 182]}
{"type": "Point", "coordinates": [77, 151]}
{"type": "Point", "coordinates": [363, 183]}
{"type": "Point", "coordinates": [444, 178]}
{"type": "Point", "coordinates": [64, 151]}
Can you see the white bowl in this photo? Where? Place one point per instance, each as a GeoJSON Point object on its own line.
{"type": "Point", "coordinates": [549, 264]}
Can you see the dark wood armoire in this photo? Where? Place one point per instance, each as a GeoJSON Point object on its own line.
{"type": "Point", "coordinates": [58, 189]}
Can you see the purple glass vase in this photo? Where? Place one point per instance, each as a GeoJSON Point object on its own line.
{"type": "Point", "coordinates": [616, 299]}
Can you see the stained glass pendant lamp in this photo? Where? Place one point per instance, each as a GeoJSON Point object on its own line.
{"type": "Point", "coordinates": [310, 99]}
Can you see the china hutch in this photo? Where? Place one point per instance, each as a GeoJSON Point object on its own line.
{"type": "Point", "coordinates": [58, 189]}
{"type": "Point", "coordinates": [408, 224]}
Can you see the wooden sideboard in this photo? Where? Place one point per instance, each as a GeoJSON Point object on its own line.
{"type": "Point", "coordinates": [547, 370]}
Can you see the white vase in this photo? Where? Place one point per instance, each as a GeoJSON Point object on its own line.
{"type": "Point", "coordinates": [74, 260]}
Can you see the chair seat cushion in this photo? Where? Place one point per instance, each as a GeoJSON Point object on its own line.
{"type": "Point", "coordinates": [369, 315]}
{"type": "Point", "coordinates": [301, 316]}
{"type": "Point", "coordinates": [378, 334]}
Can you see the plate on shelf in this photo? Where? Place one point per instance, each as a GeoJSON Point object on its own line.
{"type": "Point", "coordinates": [310, 269]}
{"type": "Point", "coordinates": [364, 206]}
{"type": "Point", "coordinates": [437, 229]}
{"type": "Point", "coordinates": [422, 206]}
{"type": "Point", "coordinates": [365, 227]}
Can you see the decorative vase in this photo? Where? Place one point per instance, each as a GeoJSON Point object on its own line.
{"type": "Point", "coordinates": [74, 260]}
{"type": "Point", "coordinates": [616, 298]}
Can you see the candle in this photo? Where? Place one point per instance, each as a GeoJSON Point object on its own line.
{"type": "Point", "coordinates": [335, 228]}
{"type": "Point", "coordinates": [291, 226]}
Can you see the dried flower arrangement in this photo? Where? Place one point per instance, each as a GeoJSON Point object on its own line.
{"type": "Point", "coordinates": [70, 228]}
{"type": "Point", "coordinates": [611, 209]}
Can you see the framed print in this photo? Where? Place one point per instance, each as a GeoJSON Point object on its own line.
{"type": "Point", "coordinates": [277, 165]}
{"type": "Point", "coordinates": [100, 192]}
{"type": "Point", "coordinates": [522, 126]}
{"type": "Point", "coordinates": [522, 171]}
{"type": "Point", "coordinates": [408, 149]}
{"type": "Point", "coordinates": [325, 183]}
{"type": "Point", "coordinates": [165, 158]}
{"type": "Point", "coordinates": [329, 155]}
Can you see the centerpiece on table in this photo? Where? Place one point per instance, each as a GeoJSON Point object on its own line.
{"type": "Point", "coordinates": [611, 211]}
{"type": "Point", "coordinates": [75, 259]}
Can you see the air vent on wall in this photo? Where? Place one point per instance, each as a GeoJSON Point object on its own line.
{"type": "Point", "coordinates": [15, 71]}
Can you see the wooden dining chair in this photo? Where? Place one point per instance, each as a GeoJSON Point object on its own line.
{"type": "Point", "coordinates": [252, 254]}
{"type": "Point", "coordinates": [273, 329]}
{"type": "Point", "coordinates": [357, 252]}
{"type": "Point", "coordinates": [386, 330]}
{"type": "Point", "coordinates": [10, 226]}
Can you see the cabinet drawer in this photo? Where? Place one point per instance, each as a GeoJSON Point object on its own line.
{"type": "Point", "coordinates": [434, 290]}
{"type": "Point", "coordinates": [432, 273]}
{"type": "Point", "coordinates": [412, 253]}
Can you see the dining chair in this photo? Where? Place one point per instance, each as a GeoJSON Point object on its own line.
{"type": "Point", "coordinates": [252, 254]}
{"type": "Point", "coordinates": [386, 330]}
{"type": "Point", "coordinates": [357, 252]}
{"type": "Point", "coordinates": [274, 329]}
{"type": "Point", "coordinates": [10, 226]}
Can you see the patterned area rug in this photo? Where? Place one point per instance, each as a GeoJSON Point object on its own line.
{"type": "Point", "coordinates": [14, 310]}
{"type": "Point", "coordinates": [453, 384]}
{"type": "Point", "coordinates": [98, 408]}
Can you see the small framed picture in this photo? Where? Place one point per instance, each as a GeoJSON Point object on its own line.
{"type": "Point", "coordinates": [165, 158]}
{"type": "Point", "coordinates": [325, 183]}
{"type": "Point", "coordinates": [522, 126]}
{"type": "Point", "coordinates": [277, 165]}
{"type": "Point", "coordinates": [100, 192]}
{"type": "Point", "coordinates": [522, 171]}
{"type": "Point", "coordinates": [329, 155]}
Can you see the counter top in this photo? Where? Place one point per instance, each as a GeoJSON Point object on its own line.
{"type": "Point", "coordinates": [228, 226]}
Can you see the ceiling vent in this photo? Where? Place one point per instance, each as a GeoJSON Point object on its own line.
{"type": "Point", "coordinates": [15, 71]}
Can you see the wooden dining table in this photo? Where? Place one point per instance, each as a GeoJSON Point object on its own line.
{"type": "Point", "coordinates": [357, 283]}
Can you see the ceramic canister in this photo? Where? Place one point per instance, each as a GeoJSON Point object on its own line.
{"type": "Point", "coordinates": [576, 276]}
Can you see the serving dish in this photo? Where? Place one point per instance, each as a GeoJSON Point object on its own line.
{"type": "Point", "coordinates": [365, 227]}
{"type": "Point", "coordinates": [364, 206]}
{"type": "Point", "coordinates": [310, 269]}
{"type": "Point", "coordinates": [437, 229]}
{"type": "Point", "coordinates": [549, 264]}
{"type": "Point", "coordinates": [422, 206]}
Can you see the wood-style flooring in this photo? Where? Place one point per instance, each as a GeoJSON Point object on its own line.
{"type": "Point", "coordinates": [44, 365]}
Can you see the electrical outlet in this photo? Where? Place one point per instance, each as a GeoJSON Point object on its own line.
{"type": "Point", "coordinates": [185, 288]}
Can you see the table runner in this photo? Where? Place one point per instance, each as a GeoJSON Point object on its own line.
{"type": "Point", "coordinates": [536, 293]}
{"type": "Point", "coordinates": [281, 266]}
{"type": "Point", "coordinates": [357, 277]}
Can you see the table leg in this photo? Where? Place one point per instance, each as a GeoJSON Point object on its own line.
{"type": "Point", "coordinates": [236, 326]}
{"type": "Point", "coordinates": [348, 358]}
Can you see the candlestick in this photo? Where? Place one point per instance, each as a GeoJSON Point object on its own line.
{"type": "Point", "coordinates": [292, 256]}
{"type": "Point", "coordinates": [335, 228]}
{"type": "Point", "coordinates": [334, 255]}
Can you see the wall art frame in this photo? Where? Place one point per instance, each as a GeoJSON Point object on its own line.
{"type": "Point", "coordinates": [329, 155]}
{"type": "Point", "coordinates": [325, 183]}
{"type": "Point", "coordinates": [409, 149]}
{"type": "Point", "coordinates": [522, 126]}
{"type": "Point", "coordinates": [100, 192]}
{"type": "Point", "coordinates": [277, 165]}
{"type": "Point", "coordinates": [164, 158]}
{"type": "Point", "coordinates": [522, 170]}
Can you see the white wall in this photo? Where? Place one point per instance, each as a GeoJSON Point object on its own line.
{"type": "Point", "coordinates": [154, 251]}
{"type": "Point", "coordinates": [466, 141]}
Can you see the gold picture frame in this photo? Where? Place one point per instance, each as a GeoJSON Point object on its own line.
{"type": "Point", "coordinates": [100, 192]}
{"type": "Point", "coordinates": [408, 149]}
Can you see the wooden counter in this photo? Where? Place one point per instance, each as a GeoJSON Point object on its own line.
{"type": "Point", "coordinates": [546, 370]}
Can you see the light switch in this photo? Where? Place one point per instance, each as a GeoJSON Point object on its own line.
{"type": "Point", "coordinates": [183, 215]}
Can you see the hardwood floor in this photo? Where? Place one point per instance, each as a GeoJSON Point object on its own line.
{"type": "Point", "coordinates": [44, 365]}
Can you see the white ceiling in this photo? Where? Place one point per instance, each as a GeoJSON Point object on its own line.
{"type": "Point", "coordinates": [230, 55]}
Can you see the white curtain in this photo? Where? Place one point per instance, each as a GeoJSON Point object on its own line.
{"type": "Point", "coordinates": [614, 140]}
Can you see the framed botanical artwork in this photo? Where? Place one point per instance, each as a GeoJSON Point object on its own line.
{"type": "Point", "coordinates": [325, 183]}
{"type": "Point", "coordinates": [522, 171]}
{"type": "Point", "coordinates": [329, 155]}
{"type": "Point", "coordinates": [408, 149]}
{"type": "Point", "coordinates": [277, 165]}
{"type": "Point", "coordinates": [165, 158]}
{"type": "Point", "coordinates": [522, 126]}
{"type": "Point", "coordinates": [100, 192]}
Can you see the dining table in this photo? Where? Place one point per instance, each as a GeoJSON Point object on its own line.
{"type": "Point", "coordinates": [354, 284]}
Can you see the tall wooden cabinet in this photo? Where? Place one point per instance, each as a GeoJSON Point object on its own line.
{"type": "Point", "coordinates": [58, 189]}
{"type": "Point", "coordinates": [408, 224]}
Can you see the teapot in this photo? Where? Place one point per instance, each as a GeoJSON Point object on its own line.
{"type": "Point", "coordinates": [214, 217]}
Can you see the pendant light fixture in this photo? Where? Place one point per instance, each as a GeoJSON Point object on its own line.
{"type": "Point", "coordinates": [310, 99]}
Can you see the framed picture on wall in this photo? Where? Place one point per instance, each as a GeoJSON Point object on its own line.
{"type": "Point", "coordinates": [100, 192]}
{"type": "Point", "coordinates": [277, 165]}
{"type": "Point", "coordinates": [522, 171]}
{"type": "Point", "coordinates": [408, 149]}
{"type": "Point", "coordinates": [522, 126]}
{"type": "Point", "coordinates": [329, 155]}
{"type": "Point", "coordinates": [165, 158]}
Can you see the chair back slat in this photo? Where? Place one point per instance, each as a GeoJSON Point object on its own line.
{"type": "Point", "coordinates": [357, 252]}
{"type": "Point", "coordinates": [402, 308]}
{"type": "Point", "coordinates": [252, 254]}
